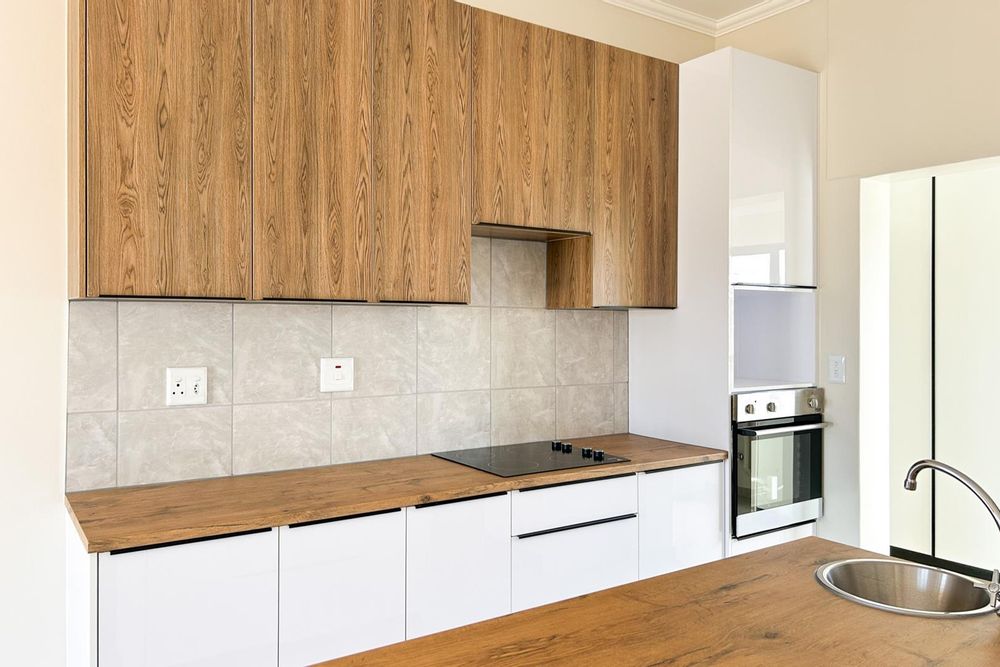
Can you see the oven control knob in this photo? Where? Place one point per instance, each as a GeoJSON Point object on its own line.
{"type": "Point", "coordinates": [598, 454]}
{"type": "Point", "coordinates": [587, 452]}
{"type": "Point", "coordinates": [567, 447]}
{"type": "Point", "coordinates": [556, 445]}
{"type": "Point", "coordinates": [749, 408]}
{"type": "Point", "coordinates": [771, 407]}
{"type": "Point", "coordinates": [814, 403]}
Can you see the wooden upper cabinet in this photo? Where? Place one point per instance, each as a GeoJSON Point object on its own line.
{"type": "Point", "coordinates": [533, 136]}
{"type": "Point", "coordinates": [312, 77]}
{"type": "Point", "coordinates": [423, 162]}
{"type": "Point", "coordinates": [168, 148]}
{"type": "Point", "coordinates": [635, 226]}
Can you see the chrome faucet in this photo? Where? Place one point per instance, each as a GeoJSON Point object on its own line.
{"type": "Point", "coordinates": [992, 587]}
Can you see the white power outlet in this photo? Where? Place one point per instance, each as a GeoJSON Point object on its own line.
{"type": "Point", "coordinates": [187, 386]}
{"type": "Point", "coordinates": [836, 369]}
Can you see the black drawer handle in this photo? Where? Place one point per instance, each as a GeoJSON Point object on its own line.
{"type": "Point", "coordinates": [549, 531]}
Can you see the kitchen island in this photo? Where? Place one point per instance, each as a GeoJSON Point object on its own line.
{"type": "Point", "coordinates": [763, 608]}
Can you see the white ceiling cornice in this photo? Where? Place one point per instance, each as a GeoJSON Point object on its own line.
{"type": "Point", "coordinates": [665, 11]}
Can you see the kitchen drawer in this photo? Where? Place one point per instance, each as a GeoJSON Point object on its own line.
{"type": "Point", "coordinates": [533, 510]}
{"type": "Point", "coordinates": [564, 564]}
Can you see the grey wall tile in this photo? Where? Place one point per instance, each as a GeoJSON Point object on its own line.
{"type": "Point", "coordinates": [523, 415]}
{"type": "Point", "coordinates": [585, 410]}
{"type": "Point", "coordinates": [277, 351]}
{"type": "Point", "coordinates": [453, 348]}
{"type": "Point", "coordinates": [91, 450]}
{"type": "Point", "coordinates": [453, 420]}
{"type": "Point", "coordinates": [621, 407]}
{"type": "Point", "coordinates": [523, 347]}
{"type": "Point", "coordinates": [621, 346]}
{"type": "Point", "coordinates": [383, 342]}
{"type": "Point", "coordinates": [280, 436]}
{"type": "Point", "coordinates": [584, 347]}
{"type": "Point", "coordinates": [174, 444]}
{"type": "Point", "coordinates": [154, 336]}
{"type": "Point", "coordinates": [92, 373]}
{"type": "Point", "coordinates": [518, 276]}
{"type": "Point", "coordinates": [480, 271]}
{"type": "Point", "coordinates": [374, 428]}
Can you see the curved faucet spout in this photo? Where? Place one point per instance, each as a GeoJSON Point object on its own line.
{"type": "Point", "coordinates": [911, 483]}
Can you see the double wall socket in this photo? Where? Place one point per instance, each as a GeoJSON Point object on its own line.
{"type": "Point", "coordinates": [187, 386]}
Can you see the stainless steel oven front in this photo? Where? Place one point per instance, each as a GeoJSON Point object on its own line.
{"type": "Point", "coordinates": [777, 465]}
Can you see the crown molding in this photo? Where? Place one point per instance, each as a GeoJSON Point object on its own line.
{"type": "Point", "coordinates": [664, 11]}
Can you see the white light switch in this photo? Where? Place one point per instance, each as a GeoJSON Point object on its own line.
{"type": "Point", "coordinates": [187, 386]}
{"type": "Point", "coordinates": [336, 374]}
{"type": "Point", "coordinates": [836, 369]}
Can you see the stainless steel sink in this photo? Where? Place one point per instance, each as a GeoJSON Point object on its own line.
{"type": "Point", "coordinates": [905, 588]}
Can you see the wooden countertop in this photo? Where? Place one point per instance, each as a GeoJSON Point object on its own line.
{"type": "Point", "coordinates": [764, 608]}
{"type": "Point", "coordinates": [137, 516]}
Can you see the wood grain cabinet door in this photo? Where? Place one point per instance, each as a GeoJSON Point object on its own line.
{"type": "Point", "coordinates": [168, 148]}
{"type": "Point", "coordinates": [423, 138]}
{"type": "Point", "coordinates": [533, 134]}
{"type": "Point", "coordinates": [635, 226]}
{"type": "Point", "coordinates": [312, 149]}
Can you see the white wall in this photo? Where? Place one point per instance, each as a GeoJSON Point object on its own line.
{"type": "Point", "coordinates": [32, 335]}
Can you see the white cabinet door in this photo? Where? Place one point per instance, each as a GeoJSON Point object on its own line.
{"type": "Point", "coordinates": [211, 602]}
{"type": "Point", "coordinates": [343, 587]}
{"type": "Point", "coordinates": [681, 518]}
{"type": "Point", "coordinates": [551, 566]}
{"type": "Point", "coordinates": [772, 171]}
{"type": "Point", "coordinates": [457, 563]}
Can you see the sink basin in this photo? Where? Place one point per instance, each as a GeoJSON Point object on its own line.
{"type": "Point", "coordinates": [905, 588]}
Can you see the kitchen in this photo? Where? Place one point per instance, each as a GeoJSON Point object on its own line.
{"type": "Point", "coordinates": [575, 331]}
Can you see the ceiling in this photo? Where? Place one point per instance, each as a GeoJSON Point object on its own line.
{"type": "Point", "coordinates": [710, 17]}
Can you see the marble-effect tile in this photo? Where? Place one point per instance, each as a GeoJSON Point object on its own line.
{"type": "Point", "coordinates": [383, 342]}
{"type": "Point", "coordinates": [523, 347]}
{"type": "Point", "coordinates": [280, 436]}
{"type": "Point", "coordinates": [92, 370]}
{"type": "Point", "coordinates": [453, 348]}
{"type": "Point", "coordinates": [91, 450]}
{"type": "Point", "coordinates": [621, 346]}
{"type": "Point", "coordinates": [523, 415]}
{"type": "Point", "coordinates": [518, 273]}
{"type": "Point", "coordinates": [480, 271]}
{"type": "Point", "coordinates": [453, 420]}
{"type": "Point", "coordinates": [585, 410]}
{"type": "Point", "coordinates": [374, 428]}
{"type": "Point", "coordinates": [584, 347]}
{"type": "Point", "coordinates": [174, 444]}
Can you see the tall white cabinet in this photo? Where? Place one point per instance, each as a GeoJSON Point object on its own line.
{"type": "Point", "coordinates": [210, 602]}
{"type": "Point", "coordinates": [746, 316]}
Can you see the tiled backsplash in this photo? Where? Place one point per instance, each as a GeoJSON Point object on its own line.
{"type": "Point", "coordinates": [427, 378]}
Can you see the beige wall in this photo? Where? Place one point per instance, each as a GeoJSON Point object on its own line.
{"type": "Point", "coordinates": [904, 84]}
{"type": "Point", "coordinates": [33, 331]}
{"type": "Point", "coordinates": [597, 20]}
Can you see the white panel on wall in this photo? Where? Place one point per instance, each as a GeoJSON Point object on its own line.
{"type": "Point", "coordinates": [967, 361]}
{"type": "Point", "coordinates": [774, 337]}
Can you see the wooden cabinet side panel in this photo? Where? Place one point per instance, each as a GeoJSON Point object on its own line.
{"type": "Point", "coordinates": [422, 150]}
{"type": "Point", "coordinates": [168, 147]}
{"type": "Point", "coordinates": [533, 130]}
{"type": "Point", "coordinates": [635, 230]}
{"type": "Point", "coordinates": [569, 273]}
{"type": "Point", "coordinates": [312, 148]}
{"type": "Point", "coordinates": [76, 146]}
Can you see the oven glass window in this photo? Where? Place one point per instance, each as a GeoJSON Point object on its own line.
{"type": "Point", "coordinates": [778, 470]}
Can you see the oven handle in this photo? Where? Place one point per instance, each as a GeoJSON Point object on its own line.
{"type": "Point", "coordinates": [779, 430]}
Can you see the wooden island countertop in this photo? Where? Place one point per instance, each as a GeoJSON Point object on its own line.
{"type": "Point", "coordinates": [763, 608]}
{"type": "Point", "coordinates": [138, 516]}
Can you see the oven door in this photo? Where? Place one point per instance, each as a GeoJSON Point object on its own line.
{"type": "Point", "coordinates": [777, 477]}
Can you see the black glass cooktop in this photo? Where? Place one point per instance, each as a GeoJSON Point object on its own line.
{"type": "Point", "coordinates": [529, 457]}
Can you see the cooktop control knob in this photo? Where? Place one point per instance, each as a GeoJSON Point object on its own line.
{"type": "Point", "coordinates": [556, 445]}
{"type": "Point", "coordinates": [814, 403]}
{"type": "Point", "coordinates": [771, 407]}
{"type": "Point", "coordinates": [749, 408]}
{"type": "Point", "coordinates": [598, 454]}
{"type": "Point", "coordinates": [567, 447]}
{"type": "Point", "coordinates": [587, 452]}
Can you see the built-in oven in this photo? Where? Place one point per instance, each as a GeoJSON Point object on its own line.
{"type": "Point", "coordinates": [777, 463]}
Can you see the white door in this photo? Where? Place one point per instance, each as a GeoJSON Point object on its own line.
{"type": "Point", "coordinates": [557, 565]}
{"type": "Point", "coordinates": [681, 518]}
{"type": "Point", "coordinates": [457, 563]}
{"type": "Point", "coordinates": [211, 602]}
{"type": "Point", "coordinates": [343, 587]}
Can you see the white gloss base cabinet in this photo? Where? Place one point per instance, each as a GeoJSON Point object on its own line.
{"type": "Point", "coordinates": [457, 563]}
{"type": "Point", "coordinates": [213, 602]}
{"type": "Point", "coordinates": [562, 564]}
{"type": "Point", "coordinates": [681, 518]}
{"type": "Point", "coordinates": [343, 587]}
